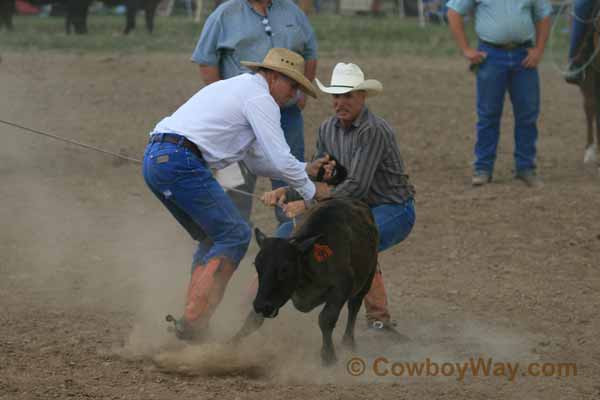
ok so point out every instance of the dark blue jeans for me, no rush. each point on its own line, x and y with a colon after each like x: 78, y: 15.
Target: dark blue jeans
x: 292, y: 124
x: 582, y: 10
x: 394, y: 222
x: 501, y: 72
x: 185, y: 185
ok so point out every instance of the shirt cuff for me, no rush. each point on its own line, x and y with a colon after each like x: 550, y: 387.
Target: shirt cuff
x: 308, y: 190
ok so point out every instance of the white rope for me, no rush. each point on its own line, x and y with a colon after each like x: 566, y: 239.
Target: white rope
x: 552, y: 32
x: 100, y: 150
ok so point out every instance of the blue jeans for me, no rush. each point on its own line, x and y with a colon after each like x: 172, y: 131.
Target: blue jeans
x: 394, y: 222
x: 185, y: 185
x: 292, y: 124
x: 582, y: 10
x: 501, y: 72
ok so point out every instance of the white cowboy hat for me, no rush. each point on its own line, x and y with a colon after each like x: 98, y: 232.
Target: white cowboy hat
x: 287, y: 63
x: 349, y: 78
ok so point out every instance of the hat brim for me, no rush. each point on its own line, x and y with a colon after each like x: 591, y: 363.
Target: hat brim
x: 371, y: 86
x: 304, y: 83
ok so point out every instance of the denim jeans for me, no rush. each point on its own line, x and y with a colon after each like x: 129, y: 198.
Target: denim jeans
x: 582, y: 10
x: 185, y: 185
x: 394, y: 222
x: 292, y: 124
x: 501, y: 72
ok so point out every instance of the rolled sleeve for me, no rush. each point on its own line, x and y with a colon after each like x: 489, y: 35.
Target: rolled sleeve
x: 541, y: 10
x: 206, y: 51
x: 461, y: 6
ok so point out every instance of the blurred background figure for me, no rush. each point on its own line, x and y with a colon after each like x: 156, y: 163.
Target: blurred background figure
x: 149, y: 7
x: 7, y: 8
x: 77, y: 12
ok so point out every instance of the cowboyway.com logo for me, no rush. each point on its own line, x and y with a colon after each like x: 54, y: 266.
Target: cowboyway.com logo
x: 475, y: 367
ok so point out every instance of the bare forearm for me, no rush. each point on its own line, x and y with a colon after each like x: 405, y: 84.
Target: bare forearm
x: 457, y: 27
x: 542, y: 31
x: 209, y: 73
x: 310, y: 69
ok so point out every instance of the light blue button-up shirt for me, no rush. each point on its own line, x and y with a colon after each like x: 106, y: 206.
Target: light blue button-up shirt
x: 235, y: 32
x: 504, y: 21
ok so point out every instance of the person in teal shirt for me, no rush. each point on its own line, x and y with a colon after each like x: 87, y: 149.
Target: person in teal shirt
x: 512, y: 37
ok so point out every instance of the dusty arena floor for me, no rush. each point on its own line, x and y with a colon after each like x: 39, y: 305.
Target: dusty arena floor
x: 91, y: 262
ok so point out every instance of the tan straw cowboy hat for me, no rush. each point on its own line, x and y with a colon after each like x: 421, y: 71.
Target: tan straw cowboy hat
x: 287, y: 63
x: 349, y: 78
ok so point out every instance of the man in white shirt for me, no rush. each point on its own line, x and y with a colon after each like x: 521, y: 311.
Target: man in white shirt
x: 236, y: 119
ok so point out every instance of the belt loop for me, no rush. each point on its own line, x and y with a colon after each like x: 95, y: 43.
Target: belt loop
x: 181, y: 141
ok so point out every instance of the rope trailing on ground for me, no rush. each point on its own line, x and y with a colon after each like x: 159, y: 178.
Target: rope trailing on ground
x: 100, y: 150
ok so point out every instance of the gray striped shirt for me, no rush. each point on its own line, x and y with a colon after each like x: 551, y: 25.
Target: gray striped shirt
x: 368, y: 149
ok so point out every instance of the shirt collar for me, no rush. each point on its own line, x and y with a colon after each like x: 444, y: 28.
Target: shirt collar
x: 260, y: 80
x: 247, y: 3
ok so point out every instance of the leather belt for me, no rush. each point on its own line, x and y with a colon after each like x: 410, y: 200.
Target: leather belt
x: 175, y: 139
x: 510, y: 45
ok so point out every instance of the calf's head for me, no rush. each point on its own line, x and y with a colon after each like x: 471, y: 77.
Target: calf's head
x: 279, y: 267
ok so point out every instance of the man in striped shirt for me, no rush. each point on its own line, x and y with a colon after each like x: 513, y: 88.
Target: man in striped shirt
x: 366, y: 145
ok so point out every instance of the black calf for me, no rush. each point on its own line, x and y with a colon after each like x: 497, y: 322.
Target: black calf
x: 331, y: 258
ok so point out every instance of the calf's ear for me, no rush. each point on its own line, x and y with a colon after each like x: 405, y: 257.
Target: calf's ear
x: 260, y: 237
x: 303, y: 245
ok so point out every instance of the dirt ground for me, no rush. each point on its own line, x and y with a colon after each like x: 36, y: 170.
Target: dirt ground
x: 91, y: 262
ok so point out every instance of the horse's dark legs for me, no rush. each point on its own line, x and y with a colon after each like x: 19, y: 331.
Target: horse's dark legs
x: 591, y: 152
x: 132, y: 8
x: 590, y: 107
x: 150, y: 10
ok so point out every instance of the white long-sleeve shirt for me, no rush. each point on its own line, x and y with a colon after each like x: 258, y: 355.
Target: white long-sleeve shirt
x: 237, y: 119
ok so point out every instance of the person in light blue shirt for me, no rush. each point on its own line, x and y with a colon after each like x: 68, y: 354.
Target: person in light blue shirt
x: 512, y: 37
x: 247, y: 30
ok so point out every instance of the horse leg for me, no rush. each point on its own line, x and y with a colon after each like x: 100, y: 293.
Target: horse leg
x: 590, y: 104
x: 150, y: 10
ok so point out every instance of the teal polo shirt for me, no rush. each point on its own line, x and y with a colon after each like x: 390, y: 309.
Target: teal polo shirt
x: 504, y: 21
x: 235, y: 32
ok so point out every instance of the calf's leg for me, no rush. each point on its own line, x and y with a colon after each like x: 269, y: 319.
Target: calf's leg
x: 354, y: 304
x: 327, y: 320
x: 252, y: 323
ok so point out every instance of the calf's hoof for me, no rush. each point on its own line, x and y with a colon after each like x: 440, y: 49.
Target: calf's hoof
x: 349, y: 343
x: 328, y: 358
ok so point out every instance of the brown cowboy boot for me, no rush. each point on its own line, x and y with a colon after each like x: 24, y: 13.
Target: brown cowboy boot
x: 378, y: 315
x: 205, y: 292
x: 376, y: 300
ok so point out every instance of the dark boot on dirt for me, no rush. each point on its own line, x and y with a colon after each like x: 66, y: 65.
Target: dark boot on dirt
x: 187, y: 331
x: 387, y: 330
